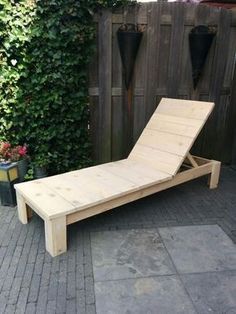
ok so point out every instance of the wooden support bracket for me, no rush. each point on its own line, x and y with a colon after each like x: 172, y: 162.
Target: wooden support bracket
x: 192, y: 160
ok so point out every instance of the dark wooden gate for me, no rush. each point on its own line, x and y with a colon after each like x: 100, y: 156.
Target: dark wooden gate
x: 163, y: 69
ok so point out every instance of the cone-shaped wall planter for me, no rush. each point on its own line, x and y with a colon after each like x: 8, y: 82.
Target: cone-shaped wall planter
x: 200, y: 40
x: 129, y: 38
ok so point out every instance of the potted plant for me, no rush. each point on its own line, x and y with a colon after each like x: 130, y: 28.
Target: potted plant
x: 17, y: 154
x: 39, y: 166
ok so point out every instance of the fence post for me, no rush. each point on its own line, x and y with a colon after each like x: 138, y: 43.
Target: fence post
x: 105, y: 85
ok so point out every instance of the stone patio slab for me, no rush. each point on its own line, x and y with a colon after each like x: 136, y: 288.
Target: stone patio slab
x: 199, y: 248
x: 212, y: 292
x: 163, y: 295
x: 129, y: 254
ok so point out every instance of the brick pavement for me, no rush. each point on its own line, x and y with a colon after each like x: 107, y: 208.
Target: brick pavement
x: 33, y: 282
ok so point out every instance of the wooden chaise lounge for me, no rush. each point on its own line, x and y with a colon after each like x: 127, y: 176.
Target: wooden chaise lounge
x: 159, y: 160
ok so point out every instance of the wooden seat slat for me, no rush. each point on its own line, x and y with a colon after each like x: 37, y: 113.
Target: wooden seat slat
x: 102, y: 183
x: 44, y: 199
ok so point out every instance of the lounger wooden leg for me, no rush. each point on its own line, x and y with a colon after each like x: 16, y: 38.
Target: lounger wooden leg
x: 22, y: 209
x: 55, y: 236
x: 215, y: 174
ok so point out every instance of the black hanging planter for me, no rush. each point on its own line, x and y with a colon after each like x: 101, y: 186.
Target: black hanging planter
x: 200, y: 40
x: 129, y: 38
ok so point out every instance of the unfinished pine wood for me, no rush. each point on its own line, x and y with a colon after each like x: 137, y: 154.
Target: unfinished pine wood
x: 157, y: 123
x: 72, y: 196
x: 92, y: 186
x: 44, y: 200
x: 192, y: 160
x: 166, y: 142
x: 156, y: 158
x: 215, y: 175
x: 55, y: 235
x: 22, y: 210
x: 171, y: 130
x: 185, y: 108
x: 55, y: 227
x: 135, y: 172
x: 185, y: 176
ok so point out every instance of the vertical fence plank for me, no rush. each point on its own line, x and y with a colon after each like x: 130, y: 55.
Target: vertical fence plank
x: 105, y: 77
x: 232, y: 122
x: 139, y: 77
x: 153, y: 40
x: 117, y: 112
x: 177, y: 34
x: 216, y: 125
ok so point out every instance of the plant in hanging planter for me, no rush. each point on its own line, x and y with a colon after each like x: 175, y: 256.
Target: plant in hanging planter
x: 129, y: 38
x: 200, y: 40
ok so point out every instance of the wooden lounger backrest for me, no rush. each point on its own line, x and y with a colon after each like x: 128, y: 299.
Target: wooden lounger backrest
x: 170, y: 133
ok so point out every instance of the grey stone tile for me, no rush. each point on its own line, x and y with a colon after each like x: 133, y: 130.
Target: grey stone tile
x: 30, y: 308
x: 128, y: 254
x: 212, y: 292
x: 199, y: 248
x: 80, y: 301
x: 162, y: 295
x: 22, y: 301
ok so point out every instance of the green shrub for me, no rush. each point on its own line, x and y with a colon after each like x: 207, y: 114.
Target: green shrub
x: 45, y: 50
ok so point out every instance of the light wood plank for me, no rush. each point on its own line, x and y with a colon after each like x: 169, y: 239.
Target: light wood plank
x: 178, y: 120
x: 156, y: 159
x: 178, y: 179
x: 192, y: 160
x: 156, y: 123
x: 46, y: 201
x: 55, y: 235
x: 21, y: 208
x: 172, y: 129
x: 215, y: 175
x: 135, y: 171
x: 171, y: 143
x: 185, y: 108
x: 89, y: 186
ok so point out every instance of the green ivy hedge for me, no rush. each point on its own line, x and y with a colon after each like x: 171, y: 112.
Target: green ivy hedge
x: 45, y: 50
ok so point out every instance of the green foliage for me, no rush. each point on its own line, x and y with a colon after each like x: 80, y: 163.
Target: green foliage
x: 45, y: 50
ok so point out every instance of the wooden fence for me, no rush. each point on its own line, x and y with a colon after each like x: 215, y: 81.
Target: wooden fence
x: 162, y: 69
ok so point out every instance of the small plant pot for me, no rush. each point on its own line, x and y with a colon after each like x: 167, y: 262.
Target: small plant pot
x: 40, y: 172
x: 22, y: 169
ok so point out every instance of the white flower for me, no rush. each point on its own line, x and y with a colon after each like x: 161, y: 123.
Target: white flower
x: 13, y: 62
